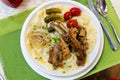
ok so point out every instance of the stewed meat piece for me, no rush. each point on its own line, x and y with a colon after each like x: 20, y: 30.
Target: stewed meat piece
x: 78, y: 47
x: 65, y: 49
x: 82, y: 32
x: 58, y: 53
x: 55, y: 56
x: 73, y: 40
x: 81, y: 58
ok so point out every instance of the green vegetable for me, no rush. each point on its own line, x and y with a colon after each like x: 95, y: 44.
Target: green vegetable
x: 73, y: 57
x: 64, y: 72
x: 69, y: 66
x: 53, y: 17
x: 49, y: 44
x: 34, y: 27
x: 53, y: 10
x: 47, y: 52
x: 55, y: 39
x: 64, y: 63
x: 46, y: 33
x: 45, y: 27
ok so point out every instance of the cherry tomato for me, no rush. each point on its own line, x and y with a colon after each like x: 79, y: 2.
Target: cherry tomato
x: 75, y: 11
x: 67, y: 15
x: 72, y: 23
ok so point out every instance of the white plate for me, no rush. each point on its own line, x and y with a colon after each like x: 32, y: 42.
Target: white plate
x: 93, y: 57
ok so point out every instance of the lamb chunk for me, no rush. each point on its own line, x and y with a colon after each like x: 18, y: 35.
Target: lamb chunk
x: 73, y: 32
x: 66, y: 37
x: 78, y: 47
x: 65, y: 49
x: 51, y: 53
x: 82, y: 32
x: 55, y: 56
x: 81, y: 58
x: 73, y: 40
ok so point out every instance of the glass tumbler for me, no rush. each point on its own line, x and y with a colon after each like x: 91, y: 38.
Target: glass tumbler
x: 12, y: 3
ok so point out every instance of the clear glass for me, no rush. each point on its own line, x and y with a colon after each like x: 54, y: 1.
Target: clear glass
x: 12, y: 3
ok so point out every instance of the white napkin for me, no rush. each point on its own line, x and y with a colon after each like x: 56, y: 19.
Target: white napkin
x: 116, y: 6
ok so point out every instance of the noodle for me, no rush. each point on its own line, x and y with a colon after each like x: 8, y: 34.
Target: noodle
x: 39, y: 38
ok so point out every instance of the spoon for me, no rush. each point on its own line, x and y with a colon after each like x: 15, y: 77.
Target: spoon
x: 103, y: 9
x: 1, y: 78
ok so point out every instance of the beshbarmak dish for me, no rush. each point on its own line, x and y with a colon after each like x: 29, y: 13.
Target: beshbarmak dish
x: 47, y: 46
x: 60, y: 39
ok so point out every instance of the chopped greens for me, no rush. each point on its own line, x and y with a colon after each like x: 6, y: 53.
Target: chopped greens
x: 64, y: 63
x: 46, y: 33
x: 69, y: 66
x: 55, y: 39
x: 64, y: 72
x: 45, y: 27
x: 34, y: 27
x: 49, y: 44
x: 73, y: 57
x: 47, y: 52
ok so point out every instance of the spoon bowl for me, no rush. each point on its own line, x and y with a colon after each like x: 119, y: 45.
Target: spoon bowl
x: 1, y: 77
x: 103, y: 10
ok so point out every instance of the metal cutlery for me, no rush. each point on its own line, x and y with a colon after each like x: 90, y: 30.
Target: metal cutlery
x: 92, y: 7
x: 1, y: 78
x: 102, y: 9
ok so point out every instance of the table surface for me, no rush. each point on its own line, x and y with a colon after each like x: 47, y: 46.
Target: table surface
x: 6, y: 11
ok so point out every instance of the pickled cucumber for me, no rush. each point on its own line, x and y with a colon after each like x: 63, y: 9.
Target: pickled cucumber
x: 53, y: 10
x: 53, y: 17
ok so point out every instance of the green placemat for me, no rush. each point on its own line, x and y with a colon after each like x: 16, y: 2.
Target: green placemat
x: 14, y: 64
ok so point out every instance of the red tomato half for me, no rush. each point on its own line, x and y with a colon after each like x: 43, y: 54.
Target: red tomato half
x: 72, y: 23
x: 75, y: 11
x: 67, y: 15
